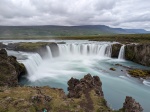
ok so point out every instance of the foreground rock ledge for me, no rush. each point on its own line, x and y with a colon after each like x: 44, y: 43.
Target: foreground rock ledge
x: 85, y: 95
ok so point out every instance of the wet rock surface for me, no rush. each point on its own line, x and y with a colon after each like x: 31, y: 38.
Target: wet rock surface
x: 112, y: 69
x: 115, y: 50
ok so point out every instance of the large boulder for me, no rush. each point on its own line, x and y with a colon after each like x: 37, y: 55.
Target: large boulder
x: 10, y: 69
x: 78, y: 87
x: 130, y: 105
x: 115, y: 50
x: 139, y: 53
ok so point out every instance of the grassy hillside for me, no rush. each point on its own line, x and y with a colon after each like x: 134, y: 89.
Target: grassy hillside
x: 56, y: 31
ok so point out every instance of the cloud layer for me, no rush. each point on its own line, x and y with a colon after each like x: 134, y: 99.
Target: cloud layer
x: 115, y: 13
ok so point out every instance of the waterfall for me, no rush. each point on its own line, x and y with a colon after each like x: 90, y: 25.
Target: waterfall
x: 32, y: 63
x: 103, y: 50
x: 49, y: 53
x: 121, y: 53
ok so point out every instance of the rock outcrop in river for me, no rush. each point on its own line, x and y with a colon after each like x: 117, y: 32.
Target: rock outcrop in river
x: 115, y: 50
x: 84, y: 86
x: 130, y: 105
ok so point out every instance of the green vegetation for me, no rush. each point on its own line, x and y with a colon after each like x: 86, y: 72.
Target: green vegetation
x: 112, y: 69
x: 20, y: 99
x: 87, y: 32
x: 52, y: 31
x: 139, y: 73
x: 31, y: 46
x: 123, y: 38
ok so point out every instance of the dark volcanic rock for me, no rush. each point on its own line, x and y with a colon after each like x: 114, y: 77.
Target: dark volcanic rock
x: 2, y: 45
x: 115, y: 50
x: 10, y: 69
x: 130, y: 105
x: 113, y: 69
x: 138, y: 53
x: 78, y: 87
x: 3, y: 54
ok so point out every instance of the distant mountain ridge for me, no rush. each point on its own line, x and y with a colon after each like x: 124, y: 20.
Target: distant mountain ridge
x: 54, y: 30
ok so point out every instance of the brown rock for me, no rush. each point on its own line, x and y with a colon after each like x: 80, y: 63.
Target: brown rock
x: 10, y: 69
x: 113, y: 69
x: 130, y: 105
x: 138, y: 53
x: 78, y: 87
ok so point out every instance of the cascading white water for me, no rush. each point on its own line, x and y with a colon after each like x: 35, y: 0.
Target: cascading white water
x: 49, y: 53
x: 76, y: 60
x: 121, y: 53
x: 32, y: 63
x: 103, y: 50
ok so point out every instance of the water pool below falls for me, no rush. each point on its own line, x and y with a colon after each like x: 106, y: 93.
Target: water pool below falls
x: 78, y: 59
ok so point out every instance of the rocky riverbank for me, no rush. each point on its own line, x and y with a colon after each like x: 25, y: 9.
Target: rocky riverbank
x: 10, y: 69
x: 85, y: 95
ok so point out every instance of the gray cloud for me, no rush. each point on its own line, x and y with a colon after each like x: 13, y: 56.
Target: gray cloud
x: 115, y: 13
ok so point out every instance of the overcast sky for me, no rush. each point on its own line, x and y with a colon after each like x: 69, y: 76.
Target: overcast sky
x: 114, y: 13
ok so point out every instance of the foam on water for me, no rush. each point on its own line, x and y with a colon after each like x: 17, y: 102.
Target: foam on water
x: 146, y: 83
x: 78, y: 59
x: 32, y: 63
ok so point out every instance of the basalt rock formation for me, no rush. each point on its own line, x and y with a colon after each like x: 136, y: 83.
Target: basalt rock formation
x: 115, y: 50
x: 90, y: 89
x: 130, y: 105
x: 10, y: 69
x: 138, y: 53
x: 83, y: 86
